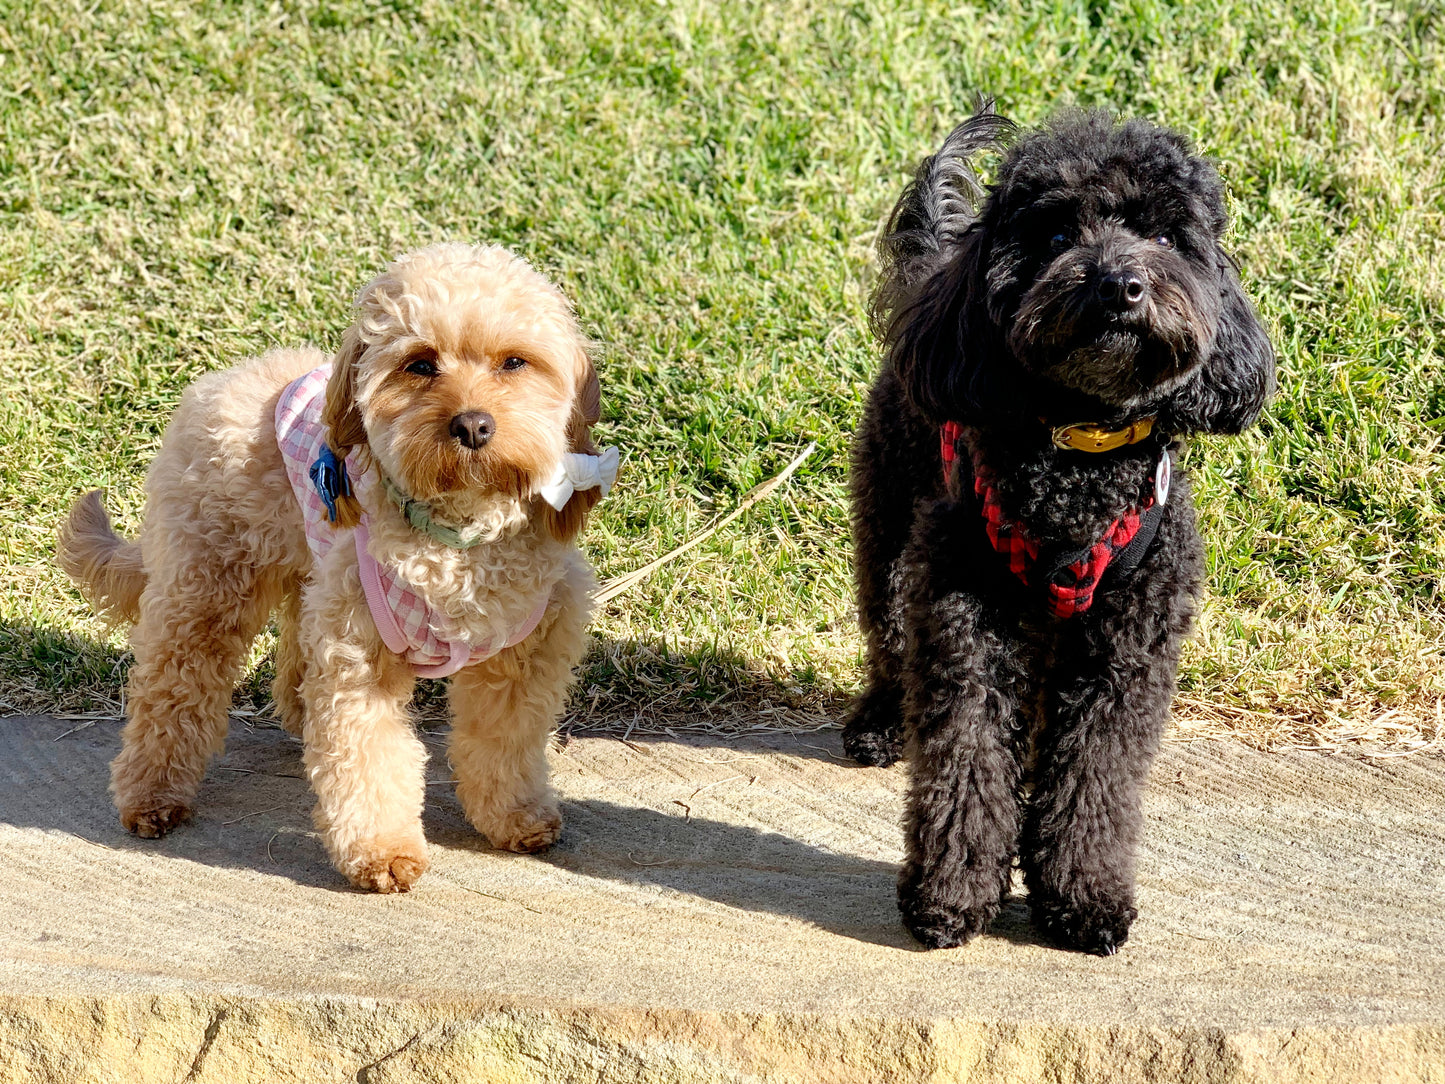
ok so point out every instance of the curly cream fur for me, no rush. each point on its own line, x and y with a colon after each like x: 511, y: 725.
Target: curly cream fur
x: 223, y: 545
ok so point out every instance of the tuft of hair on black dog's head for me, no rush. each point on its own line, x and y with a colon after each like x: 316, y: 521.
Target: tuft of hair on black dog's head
x: 1087, y: 281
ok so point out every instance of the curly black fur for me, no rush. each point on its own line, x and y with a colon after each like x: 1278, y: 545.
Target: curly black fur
x: 1002, y: 309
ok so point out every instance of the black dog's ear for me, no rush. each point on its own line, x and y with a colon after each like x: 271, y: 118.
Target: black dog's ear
x: 930, y: 307
x: 1230, y: 389
x: 939, y: 336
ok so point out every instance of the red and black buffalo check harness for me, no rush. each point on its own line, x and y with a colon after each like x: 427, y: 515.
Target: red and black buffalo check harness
x: 1068, y: 578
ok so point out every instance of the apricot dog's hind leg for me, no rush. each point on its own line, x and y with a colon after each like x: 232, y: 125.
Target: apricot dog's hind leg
x: 189, y: 644
x: 286, y: 686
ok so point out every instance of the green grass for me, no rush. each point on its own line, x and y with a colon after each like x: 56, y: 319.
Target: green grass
x: 185, y: 184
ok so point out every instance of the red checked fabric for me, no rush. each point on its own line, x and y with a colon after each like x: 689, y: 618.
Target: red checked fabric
x: 1070, y: 590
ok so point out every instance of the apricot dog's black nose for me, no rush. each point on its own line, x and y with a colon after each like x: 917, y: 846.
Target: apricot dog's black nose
x: 474, y: 428
x: 1121, y: 289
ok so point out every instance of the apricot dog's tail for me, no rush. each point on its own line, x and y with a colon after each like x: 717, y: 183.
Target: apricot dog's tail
x: 105, y: 567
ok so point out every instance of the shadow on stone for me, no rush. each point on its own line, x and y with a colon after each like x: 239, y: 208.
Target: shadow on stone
x: 749, y: 869
x: 253, y: 812
x: 733, y: 865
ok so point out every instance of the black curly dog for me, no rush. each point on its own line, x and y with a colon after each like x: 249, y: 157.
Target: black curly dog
x: 1024, y: 596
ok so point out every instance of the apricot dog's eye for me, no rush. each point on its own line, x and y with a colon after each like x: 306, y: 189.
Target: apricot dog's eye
x: 423, y: 367
x: 513, y: 363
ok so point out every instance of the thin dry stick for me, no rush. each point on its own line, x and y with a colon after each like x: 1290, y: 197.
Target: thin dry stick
x: 503, y: 899
x: 614, y: 587
x: 719, y: 783
x: 635, y: 862
x: 243, y: 816
x: 74, y: 730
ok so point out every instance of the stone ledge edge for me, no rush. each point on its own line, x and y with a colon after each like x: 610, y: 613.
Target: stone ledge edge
x: 214, y: 1039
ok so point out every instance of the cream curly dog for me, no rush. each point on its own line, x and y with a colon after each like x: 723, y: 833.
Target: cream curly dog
x: 460, y: 404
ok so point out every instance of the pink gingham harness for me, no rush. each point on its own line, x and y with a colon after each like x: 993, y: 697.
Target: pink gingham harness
x: 408, y: 626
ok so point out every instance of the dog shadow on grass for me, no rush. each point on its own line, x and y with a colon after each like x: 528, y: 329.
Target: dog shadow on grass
x: 253, y: 812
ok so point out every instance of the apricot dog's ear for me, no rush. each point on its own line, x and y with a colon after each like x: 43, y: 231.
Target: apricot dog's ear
x: 586, y: 407
x: 586, y: 411
x: 342, y: 417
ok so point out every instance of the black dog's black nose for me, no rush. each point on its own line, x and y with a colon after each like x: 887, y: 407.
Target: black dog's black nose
x: 474, y: 428
x: 1121, y: 289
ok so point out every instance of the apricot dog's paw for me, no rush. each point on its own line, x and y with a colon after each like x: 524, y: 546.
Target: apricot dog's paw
x: 387, y: 868
x: 527, y: 830
x: 154, y: 821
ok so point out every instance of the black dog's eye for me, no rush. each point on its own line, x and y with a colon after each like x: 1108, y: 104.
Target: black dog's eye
x: 423, y: 366
x: 1164, y: 241
x: 512, y: 364
x: 1060, y: 242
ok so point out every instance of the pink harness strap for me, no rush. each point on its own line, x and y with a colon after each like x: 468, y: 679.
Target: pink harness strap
x: 407, y: 625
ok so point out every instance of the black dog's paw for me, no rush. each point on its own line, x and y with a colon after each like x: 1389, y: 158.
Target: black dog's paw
x: 940, y: 929
x: 873, y: 734
x: 871, y: 748
x: 936, y: 924
x: 1098, y: 928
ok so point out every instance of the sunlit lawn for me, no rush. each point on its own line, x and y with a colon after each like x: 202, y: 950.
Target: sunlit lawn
x: 185, y: 184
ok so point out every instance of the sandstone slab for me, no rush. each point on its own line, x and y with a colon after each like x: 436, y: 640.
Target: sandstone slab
x: 715, y: 911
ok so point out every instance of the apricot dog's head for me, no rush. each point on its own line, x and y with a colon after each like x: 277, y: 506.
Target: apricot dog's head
x: 465, y: 372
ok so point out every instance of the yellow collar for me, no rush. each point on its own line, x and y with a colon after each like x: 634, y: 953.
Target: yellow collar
x: 1083, y: 437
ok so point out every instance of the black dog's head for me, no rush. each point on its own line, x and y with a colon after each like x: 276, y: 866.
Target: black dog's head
x: 1090, y: 282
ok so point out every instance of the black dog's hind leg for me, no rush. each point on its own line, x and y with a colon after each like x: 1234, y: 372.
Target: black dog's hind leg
x: 968, y: 692
x: 892, y: 454
x: 1106, y: 708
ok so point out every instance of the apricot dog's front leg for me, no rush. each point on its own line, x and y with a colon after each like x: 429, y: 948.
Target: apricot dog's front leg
x: 503, y: 711
x: 362, y: 756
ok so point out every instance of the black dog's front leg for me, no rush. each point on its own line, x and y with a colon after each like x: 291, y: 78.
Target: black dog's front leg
x: 895, y: 462
x: 1104, y: 714
x: 964, y: 683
